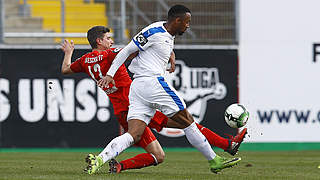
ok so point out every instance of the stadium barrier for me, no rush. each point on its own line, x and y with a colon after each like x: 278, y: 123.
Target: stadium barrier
x: 40, y: 107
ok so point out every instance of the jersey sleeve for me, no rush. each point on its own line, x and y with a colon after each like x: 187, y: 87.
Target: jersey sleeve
x: 76, y: 66
x: 146, y: 37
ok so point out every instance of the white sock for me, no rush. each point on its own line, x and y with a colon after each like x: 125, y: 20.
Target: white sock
x: 197, y: 140
x: 116, y: 146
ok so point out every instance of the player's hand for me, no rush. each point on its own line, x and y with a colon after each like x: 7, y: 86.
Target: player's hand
x: 67, y: 47
x: 105, y: 81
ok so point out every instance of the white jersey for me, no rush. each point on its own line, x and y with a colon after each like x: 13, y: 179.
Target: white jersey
x: 155, y: 45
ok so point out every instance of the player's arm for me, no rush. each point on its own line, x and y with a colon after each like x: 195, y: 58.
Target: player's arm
x: 116, y: 63
x: 133, y: 55
x: 121, y: 58
x: 67, y: 48
x: 172, y: 63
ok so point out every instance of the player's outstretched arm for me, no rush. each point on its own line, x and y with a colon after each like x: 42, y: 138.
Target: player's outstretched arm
x: 67, y: 47
x: 133, y: 55
x: 121, y: 58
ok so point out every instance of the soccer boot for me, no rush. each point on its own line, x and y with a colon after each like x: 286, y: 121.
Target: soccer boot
x: 219, y: 163
x: 235, y: 142
x: 114, y: 166
x: 94, y: 163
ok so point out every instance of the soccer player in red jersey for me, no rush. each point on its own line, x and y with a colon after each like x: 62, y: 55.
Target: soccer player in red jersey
x: 96, y: 64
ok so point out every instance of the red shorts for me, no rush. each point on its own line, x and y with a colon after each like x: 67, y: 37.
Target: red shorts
x: 157, y: 122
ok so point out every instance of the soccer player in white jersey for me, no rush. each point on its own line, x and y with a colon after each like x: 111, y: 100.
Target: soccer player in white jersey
x: 150, y: 92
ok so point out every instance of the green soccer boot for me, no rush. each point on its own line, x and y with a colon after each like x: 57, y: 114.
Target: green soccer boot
x: 219, y: 163
x: 94, y: 163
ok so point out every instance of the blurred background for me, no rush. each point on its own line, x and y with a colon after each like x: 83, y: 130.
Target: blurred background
x: 262, y: 54
x: 213, y: 22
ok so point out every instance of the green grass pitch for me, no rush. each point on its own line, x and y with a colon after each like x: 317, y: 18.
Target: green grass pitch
x: 188, y: 165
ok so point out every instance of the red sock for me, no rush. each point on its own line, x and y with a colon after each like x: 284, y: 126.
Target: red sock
x: 213, y: 138
x: 139, y: 161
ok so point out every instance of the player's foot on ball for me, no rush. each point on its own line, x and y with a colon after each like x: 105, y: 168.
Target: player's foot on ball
x: 114, y: 166
x: 219, y: 163
x: 235, y: 142
x: 94, y: 163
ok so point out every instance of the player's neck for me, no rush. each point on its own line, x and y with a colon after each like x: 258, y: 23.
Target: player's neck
x: 98, y: 49
x: 170, y: 28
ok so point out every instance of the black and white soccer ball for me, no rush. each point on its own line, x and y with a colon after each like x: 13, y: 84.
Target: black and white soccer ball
x: 236, y: 115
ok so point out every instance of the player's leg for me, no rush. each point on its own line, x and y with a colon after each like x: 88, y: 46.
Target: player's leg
x: 196, y: 138
x: 136, y: 128
x: 155, y: 153
x: 173, y: 106
x: 213, y: 138
x: 116, y: 146
x: 184, y: 120
x: 139, y: 115
x: 229, y: 145
x: 148, y: 141
x: 155, y: 149
x: 154, y: 156
x: 159, y: 120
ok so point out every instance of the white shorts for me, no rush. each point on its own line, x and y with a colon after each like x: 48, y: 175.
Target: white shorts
x: 148, y: 94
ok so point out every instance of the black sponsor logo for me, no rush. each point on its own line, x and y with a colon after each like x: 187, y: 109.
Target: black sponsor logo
x: 141, y: 39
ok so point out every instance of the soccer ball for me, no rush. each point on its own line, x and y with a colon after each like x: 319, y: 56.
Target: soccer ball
x: 236, y: 115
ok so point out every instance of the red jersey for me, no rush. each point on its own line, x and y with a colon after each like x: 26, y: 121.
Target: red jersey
x: 96, y: 64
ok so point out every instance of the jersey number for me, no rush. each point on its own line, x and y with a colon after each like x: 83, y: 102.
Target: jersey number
x: 96, y: 68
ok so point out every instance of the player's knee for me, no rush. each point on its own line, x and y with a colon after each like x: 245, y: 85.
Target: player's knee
x: 136, y: 129
x: 160, y: 157
x: 136, y: 137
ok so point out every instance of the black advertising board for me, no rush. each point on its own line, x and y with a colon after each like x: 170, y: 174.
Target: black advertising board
x: 40, y: 107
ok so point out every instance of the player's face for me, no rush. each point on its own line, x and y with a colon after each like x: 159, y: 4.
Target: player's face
x: 184, y: 23
x: 107, y: 41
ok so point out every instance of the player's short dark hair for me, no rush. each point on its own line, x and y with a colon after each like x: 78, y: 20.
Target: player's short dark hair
x: 94, y: 33
x: 177, y: 11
